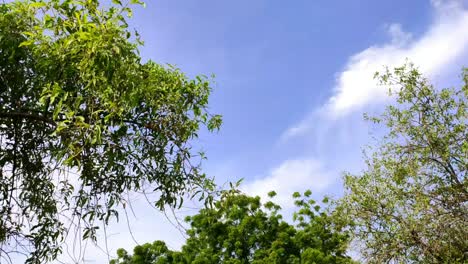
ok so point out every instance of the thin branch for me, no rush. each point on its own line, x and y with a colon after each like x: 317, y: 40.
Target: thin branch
x: 27, y: 116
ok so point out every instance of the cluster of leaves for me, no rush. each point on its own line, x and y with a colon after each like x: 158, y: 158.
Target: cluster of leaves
x: 83, y: 120
x: 240, y: 229
x: 410, y: 204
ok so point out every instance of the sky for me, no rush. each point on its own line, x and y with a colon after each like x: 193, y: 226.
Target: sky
x: 293, y: 79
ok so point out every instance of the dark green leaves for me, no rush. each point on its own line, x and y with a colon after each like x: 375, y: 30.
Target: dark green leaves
x: 240, y: 229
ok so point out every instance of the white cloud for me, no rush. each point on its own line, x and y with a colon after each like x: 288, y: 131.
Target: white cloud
x: 444, y: 42
x: 397, y: 35
x: 291, y: 176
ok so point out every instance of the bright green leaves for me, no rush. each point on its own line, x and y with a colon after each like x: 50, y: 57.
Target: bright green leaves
x: 410, y: 204
x: 77, y: 98
x: 240, y: 229
x: 214, y: 122
x: 138, y: 2
x: 26, y: 43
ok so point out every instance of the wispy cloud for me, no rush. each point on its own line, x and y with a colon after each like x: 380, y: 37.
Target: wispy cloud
x: 291, y: 176
x: 445, y: 41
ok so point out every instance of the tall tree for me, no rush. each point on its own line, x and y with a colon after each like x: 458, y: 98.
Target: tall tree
x: 239, y: 229
x: 83, y: 120
x: 410, y: 204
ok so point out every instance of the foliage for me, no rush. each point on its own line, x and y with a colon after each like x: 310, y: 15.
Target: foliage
x: 410, y: 204
x: 240, y: 229
x: 83, y: 120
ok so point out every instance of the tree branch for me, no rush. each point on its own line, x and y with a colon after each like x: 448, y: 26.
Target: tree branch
x: 38, y: 117
x: 27, y: 116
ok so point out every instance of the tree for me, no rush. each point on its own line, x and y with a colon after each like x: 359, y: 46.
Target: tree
x: 410, y: 204
x: 83, y: 121
x: 240, y: 229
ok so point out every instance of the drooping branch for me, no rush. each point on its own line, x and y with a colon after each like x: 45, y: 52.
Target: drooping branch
x: 26, y: 115
x: 45, y: 119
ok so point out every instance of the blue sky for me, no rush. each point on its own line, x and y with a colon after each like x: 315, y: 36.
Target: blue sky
x: 292, y: 82
x: 273, y: 61
x: 277, y: 64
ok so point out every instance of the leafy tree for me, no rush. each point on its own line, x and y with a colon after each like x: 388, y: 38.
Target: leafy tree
x: 83, y: 120
x: 410, y: 204
x: 240, y: 229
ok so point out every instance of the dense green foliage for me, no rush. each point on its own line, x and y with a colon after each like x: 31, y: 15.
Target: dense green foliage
x: 240, y: 229
x: 83, y: 120
x: 410, y: 204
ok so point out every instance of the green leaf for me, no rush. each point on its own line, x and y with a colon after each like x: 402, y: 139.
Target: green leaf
x: 26, y: 43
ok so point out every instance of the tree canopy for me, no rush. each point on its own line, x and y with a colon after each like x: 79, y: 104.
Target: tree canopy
x: 84, y: 120
x: 410, y: 204
x: 241, y: 229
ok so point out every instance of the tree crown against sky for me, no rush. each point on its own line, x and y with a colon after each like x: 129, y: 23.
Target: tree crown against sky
x: 410, y: 204
x: 83, y: 121
x: 241, y: 229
